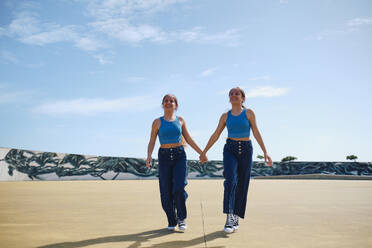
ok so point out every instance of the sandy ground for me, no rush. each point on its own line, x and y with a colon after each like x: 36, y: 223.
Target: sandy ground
x: 280, y: 213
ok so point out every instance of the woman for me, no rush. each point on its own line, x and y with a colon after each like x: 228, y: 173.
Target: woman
x: 237, y: 156
x: 172, y: 161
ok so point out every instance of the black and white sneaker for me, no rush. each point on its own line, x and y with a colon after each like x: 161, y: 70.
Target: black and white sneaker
x: 236, y: 222
x: 229, y: 226
x: 182, y: 225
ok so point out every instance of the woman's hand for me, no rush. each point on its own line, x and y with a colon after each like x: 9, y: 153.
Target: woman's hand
x: 203, y: 158
x: 148, y: 162
x: 268, y: 159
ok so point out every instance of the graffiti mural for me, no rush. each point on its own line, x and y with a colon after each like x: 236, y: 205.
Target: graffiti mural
x: 55, y: 166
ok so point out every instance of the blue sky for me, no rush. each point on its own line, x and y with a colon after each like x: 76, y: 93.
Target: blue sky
x: 79, y: 76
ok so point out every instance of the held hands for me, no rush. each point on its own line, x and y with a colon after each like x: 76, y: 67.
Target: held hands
x: 203, y: 158
x: 268, y: 159
x: 148, y: 162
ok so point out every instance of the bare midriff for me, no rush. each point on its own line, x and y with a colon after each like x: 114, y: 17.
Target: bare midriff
x: 240, y: 139
x: 173, y: 145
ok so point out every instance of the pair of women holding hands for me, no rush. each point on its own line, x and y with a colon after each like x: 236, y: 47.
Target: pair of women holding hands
x: 237, y: 159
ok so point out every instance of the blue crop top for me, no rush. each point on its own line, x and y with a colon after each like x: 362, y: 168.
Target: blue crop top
x: 238, y: 126
x: 170, y: 131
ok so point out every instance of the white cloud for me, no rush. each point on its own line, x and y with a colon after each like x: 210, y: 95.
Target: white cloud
x: 85, y: 106
x: 2, y: 31
x: 36, y: 65
x: 208, y: 72
x: 57, y: 34
x: 28, y: 5
x: 102, y: 59
x: 356, y: 22
x: 116, y: 19
x: 121, y: 29
x: 96, y: 72
x: 350, y: 27
x: 8, y: 57
x: 88, y: 44
x: 27, y: 28
x: 229, y: 37
x: 10, y: 97
x: 331, y: 33
x: 283, y: 1
x: 266, y: 91
x: 127, y: 8
x: 191, y: 35
x: 25, y: 24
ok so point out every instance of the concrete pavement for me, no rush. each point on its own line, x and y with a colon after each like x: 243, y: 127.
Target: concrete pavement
x: 280, y: 213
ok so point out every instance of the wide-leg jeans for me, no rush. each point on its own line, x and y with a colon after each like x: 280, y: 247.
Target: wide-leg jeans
x: 172, y: 170
x: 237, y: 161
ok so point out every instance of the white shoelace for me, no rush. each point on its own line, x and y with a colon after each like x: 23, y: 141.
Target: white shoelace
x: 230, y: 220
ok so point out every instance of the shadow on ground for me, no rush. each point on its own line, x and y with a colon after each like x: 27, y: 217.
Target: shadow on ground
x: 138, y: 238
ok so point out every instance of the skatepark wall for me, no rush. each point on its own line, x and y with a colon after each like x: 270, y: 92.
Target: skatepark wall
x: 23, y: 165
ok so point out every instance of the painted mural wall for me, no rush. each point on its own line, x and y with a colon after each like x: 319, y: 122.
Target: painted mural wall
x: 19, y: 165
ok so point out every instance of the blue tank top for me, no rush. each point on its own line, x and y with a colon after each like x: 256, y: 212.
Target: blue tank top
x: 170, y: 131
x: 238, y: 126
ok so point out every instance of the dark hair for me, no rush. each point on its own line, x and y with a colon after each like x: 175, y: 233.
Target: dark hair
x: 241, y: 92
x: 174, y: 98
x: 183, y: 141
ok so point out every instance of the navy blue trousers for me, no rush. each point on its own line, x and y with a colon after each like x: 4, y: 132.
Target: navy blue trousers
x: 172, y: 182
x: 237, y: 162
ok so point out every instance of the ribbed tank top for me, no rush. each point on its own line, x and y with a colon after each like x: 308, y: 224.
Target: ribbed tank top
x: 170, y: 131
x: 238, y: 126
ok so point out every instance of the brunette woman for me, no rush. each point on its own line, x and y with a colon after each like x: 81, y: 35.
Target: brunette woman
x: 237, y: 156
x: 172, y: 168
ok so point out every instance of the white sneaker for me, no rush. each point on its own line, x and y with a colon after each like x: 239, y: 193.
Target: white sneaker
x: 236, y: 222
x: 229, y: 226
x: 182, y: 225
x: 171, y: 228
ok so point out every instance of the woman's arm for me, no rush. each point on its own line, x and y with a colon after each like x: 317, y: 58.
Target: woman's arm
x: 252, y: 120
x: 150, y: 147
x: 187, y: 136
x: 216, y: 134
